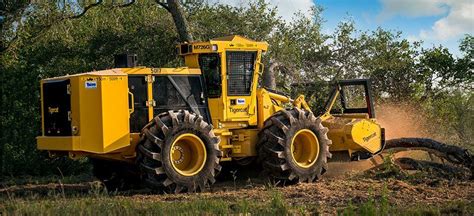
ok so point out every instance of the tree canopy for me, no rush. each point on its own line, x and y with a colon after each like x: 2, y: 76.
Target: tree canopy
x: 45, y: 39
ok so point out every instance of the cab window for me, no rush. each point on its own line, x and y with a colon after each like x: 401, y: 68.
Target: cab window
x: 210, y: 68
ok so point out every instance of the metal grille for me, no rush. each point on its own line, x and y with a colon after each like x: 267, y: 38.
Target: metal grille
x: 240, y: 67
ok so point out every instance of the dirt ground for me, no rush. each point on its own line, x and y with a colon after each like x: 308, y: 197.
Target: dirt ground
x: 325, y: 196
x: 330, y: 194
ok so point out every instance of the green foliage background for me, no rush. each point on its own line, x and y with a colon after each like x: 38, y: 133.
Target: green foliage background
x: 38, y: 42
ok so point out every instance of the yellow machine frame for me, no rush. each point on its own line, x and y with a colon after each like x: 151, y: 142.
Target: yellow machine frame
x: 99, y: 133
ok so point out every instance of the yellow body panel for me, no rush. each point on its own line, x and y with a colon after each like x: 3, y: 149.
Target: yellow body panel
x: 69, y: 143
x: 244, y: 142
x: 216, y: 106
x: 156, y: 71
x: 265, y: 106
x: 100, y: 116
x: 222, y: 44
x: 354, y: 134
x: 367, y: 134
x: 94, y: 111
x: 222, y: 112
x: 149, y: 79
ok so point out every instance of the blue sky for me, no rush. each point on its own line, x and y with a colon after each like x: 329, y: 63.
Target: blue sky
x: 435, y: 22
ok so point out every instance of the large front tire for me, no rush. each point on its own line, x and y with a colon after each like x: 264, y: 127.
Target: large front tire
x: 178, y: 152
x: 294, y: 146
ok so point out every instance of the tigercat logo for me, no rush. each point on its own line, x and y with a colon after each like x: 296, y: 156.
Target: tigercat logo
x: 238, y: 110
x: 202, y: 46
x: 52, y: 110
x: 367, y: 138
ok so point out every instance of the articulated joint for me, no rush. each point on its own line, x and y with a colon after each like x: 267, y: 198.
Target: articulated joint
x: 279, y: 97
x: 300, y: 102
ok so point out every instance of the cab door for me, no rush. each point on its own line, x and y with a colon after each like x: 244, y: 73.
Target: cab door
x: 240, y: 71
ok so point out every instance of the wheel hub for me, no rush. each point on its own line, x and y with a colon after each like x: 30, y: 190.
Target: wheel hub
x: 188, y: 154
x: 305, y: 148
x: 178, y: 154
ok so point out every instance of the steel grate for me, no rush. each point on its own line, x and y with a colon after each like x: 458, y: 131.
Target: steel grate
x: 240, y: 68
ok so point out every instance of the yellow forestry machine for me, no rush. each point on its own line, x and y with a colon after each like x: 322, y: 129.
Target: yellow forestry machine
x: 173, y: 128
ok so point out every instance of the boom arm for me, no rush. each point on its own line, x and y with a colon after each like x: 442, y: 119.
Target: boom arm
x: 299, y: 102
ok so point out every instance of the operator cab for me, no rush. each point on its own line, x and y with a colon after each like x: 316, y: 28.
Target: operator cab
x: 230, y: 67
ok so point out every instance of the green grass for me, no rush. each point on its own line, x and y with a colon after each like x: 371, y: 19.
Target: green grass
x: 97, y: 201
x: 102, y: 203
x: 120, y: 206
x: 23, y: 180
x: 372, y: 208
x: 380, y: 205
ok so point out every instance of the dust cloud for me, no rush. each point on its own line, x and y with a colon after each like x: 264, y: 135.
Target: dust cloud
x: 402, y: 120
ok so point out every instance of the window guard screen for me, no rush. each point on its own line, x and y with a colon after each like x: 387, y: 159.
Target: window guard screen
x: 240, y: 68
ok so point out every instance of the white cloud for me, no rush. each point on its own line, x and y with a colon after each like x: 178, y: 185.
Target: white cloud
x: 286, y: 8
x: 458, y: 16
x: 412, y: 8
x: 459, y: 21
x: 412, y: 38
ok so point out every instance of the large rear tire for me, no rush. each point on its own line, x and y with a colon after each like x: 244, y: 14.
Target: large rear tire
x: 293, y: 145
x: 178, y: 152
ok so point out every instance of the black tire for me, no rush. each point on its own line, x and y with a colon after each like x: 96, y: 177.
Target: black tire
x: 274, y: 147
x: 155, y: 147
x: 116, y: 176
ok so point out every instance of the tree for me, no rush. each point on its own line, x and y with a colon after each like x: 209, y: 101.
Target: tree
x: 296, y: 47
x: 256, y: 21
x: 10, y: 13
x: 464, y: 74
x: 299, y: 52
x: 434, y: 68
x: 390, y: 62
x: 179, y: 18
x: 440, y: 71
x: 72, y: 46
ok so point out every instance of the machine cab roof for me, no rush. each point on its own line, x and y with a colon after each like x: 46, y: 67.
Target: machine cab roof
x: 234, y: 42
